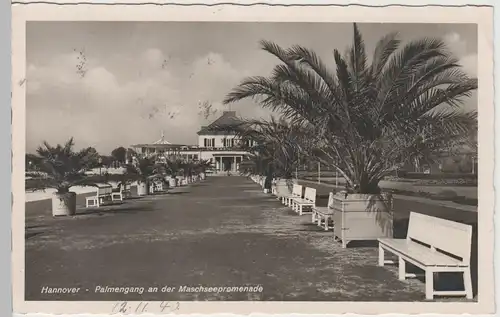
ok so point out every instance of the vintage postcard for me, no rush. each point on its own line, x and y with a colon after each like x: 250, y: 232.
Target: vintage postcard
x: 252, y: 159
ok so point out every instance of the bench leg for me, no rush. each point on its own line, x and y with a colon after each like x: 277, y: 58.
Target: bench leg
x: 402, y: 269
x: 429, y: 284
x: 468, y: 284
x: 381, y: 256
x: 313, y: 217
x: 344, y: 243
x: 326, y: 223
x: 300, y: 210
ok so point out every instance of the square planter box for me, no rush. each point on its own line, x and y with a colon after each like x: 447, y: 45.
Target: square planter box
x: 362, y: 217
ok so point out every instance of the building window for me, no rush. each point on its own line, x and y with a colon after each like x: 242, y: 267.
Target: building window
x: 209, y: 142
x: 143, y: 150
x: 195, y: 156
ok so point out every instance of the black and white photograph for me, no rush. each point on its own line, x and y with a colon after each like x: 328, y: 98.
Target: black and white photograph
x: 239, y: 161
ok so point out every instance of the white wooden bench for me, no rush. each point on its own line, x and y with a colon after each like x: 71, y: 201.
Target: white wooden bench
x: 126, y: 190
x: 158, y: 186
x: 322, y: 215
x: 155, y: 186
x: 309, y: 201
x: 274, y: 189
x: 296, y: 193
x: 103, y: 193
x: 434, y: 245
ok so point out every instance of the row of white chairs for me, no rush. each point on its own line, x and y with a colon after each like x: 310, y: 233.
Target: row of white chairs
x: 303, y: 201
x: 105, y: 193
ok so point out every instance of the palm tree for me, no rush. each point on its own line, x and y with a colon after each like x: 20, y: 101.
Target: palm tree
x: 63, y: 168
x: 370, y: 118
x: 175, y: 168
x: 277, y: 142
x: 202, y: 166
x: 145, y: 170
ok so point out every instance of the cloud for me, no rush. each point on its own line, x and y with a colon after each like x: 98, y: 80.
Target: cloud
x: 105, y: 107
x: 458, y: 46
x: 469, y: 64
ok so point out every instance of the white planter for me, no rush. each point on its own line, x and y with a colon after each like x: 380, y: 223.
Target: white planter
x: 172, y: 182
x: 284, y: 186
x: 362, y: 217
x: 64, y: 204
x: 203, y: 176
x: 142, y: 189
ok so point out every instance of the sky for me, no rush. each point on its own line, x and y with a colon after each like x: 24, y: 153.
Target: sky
x: 110, y: 84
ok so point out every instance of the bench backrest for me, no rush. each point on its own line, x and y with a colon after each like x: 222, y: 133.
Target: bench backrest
x: 297, y: 190
x: 449, y: 236
x: 103, y: 190
x: 124, y: 187
x: 310, y: 194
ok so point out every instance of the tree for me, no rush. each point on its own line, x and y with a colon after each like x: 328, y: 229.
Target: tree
x: 106, y: 160
x: 119, y: 154
x: 277, y: 144
x: 175, y: 166
x: 32, y: 161
x: 145, y: 170
x: 370, y: 118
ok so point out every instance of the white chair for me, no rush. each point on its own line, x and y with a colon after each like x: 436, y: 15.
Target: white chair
x: 309, y: 201
x: 103, y: 193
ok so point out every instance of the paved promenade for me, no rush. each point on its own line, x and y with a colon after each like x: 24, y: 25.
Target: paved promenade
x: 221, y: 232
